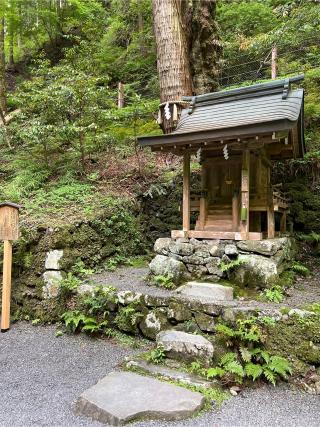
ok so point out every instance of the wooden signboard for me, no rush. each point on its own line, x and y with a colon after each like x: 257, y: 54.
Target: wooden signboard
x: 9, y: 230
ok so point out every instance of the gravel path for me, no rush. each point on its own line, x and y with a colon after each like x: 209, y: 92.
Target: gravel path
x: 42, y: 375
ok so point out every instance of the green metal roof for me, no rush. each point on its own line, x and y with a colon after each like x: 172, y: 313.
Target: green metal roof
x: 250, y: 110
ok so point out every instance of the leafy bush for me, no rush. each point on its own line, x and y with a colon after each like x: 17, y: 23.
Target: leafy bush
x: 156, y: 355
x: 273, y: 294
x: 163, y: 281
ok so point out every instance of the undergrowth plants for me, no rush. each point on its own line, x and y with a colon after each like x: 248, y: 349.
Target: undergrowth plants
x: 163, y: 281
x: 247, y: 360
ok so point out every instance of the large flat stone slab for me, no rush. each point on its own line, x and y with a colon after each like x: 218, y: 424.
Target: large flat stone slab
x: 123, y: 397
x: 187, y: 347
x: 206, y: 291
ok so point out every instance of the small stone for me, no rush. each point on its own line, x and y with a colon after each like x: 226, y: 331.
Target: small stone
x: 231, y: 250
x: 52, y: 281
x: 53, y: 259
x: 233, y: 392
x: 188, y: 347
x: 197, y: 271
x: 205, y: 322
x: 154, y: 322
x: 213, y: 267
x: 123, y: 397
x: 178, y: 312
x: 161, y: 245
x: 181, y: 248
x: 301, y: 313
x: 127, y: 297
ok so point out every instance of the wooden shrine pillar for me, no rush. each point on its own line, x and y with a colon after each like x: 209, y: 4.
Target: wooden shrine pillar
x: 245, y: 195
x: 186, y: 193
x: 203, y: 198
x: 270, y: 210
x: 235, y: 211
x: 283, y: 222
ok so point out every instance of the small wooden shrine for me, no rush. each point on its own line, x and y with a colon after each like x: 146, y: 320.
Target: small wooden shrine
x: 236, y: 134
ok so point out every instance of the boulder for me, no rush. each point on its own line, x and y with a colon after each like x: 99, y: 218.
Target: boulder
x: 154, y: 322
x: 255, y: 271
x: 161, y: 245
x: 53, y: 259
x: 196, y: 258
x: 268, y: 247
x: 52, y: 281
x: 165, y: 266
x: 187, y: 347
x: 123, y: 397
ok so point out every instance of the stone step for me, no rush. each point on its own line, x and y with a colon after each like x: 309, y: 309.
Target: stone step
x: 208, y: 292
x: 187, y: 347
x: 123, y: 397
x: 169, y: 373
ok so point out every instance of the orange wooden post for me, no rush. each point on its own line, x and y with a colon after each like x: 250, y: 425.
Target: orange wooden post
x: 186, y: 193
x: 9, y: 230
x: 245, y: 194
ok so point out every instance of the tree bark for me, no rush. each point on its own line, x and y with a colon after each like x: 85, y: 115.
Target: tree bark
x: 206, y: 47
x: 3, y: 86
x: 172, y: 49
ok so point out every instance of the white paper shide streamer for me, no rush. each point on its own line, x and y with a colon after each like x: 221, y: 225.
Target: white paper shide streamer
x: 167, y: 113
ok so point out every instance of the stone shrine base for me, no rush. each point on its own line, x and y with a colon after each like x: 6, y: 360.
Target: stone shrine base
x: 251, y: 263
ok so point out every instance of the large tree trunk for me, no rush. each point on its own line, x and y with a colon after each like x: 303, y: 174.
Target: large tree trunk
x: 188, y: 50
x: 172, y: 49
x: 206, y: 47
x: 3, y: 86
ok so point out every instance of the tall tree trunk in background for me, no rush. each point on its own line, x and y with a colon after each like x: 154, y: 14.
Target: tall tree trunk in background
x: 206, y: 47
x: 3, y: 86
x: 188, y: 52
x: 172, y: 49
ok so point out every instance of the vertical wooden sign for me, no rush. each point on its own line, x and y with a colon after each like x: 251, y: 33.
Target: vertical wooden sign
x: 9, y: 230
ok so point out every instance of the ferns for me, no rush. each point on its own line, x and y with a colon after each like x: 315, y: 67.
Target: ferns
x: 299, y: 268
x: 252, y: 370
x: 249, y: 359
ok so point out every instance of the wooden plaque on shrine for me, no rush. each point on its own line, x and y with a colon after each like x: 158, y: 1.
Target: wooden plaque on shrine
x: 9, y: 221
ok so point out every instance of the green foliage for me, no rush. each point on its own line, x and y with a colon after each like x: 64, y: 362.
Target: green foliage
x: 128, y: 317
x: 156, y: 355
x: 163, y: 281
x: 229, y: 266
x: 100, y: 300
x: 113, y: 262
x: 273, y: 294
x: 69, y: 284
x: 299, y: 268
x: 80, y: 269
x: 76, y: 321
x: 248, y: 359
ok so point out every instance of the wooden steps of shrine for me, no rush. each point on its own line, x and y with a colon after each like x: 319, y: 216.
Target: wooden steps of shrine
x: 219, y: 218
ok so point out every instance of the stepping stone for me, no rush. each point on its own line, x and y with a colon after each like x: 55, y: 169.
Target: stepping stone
x: 206, y: 291
x: 187, y: 347
x: 123, y: 397
x: 170, y: 373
